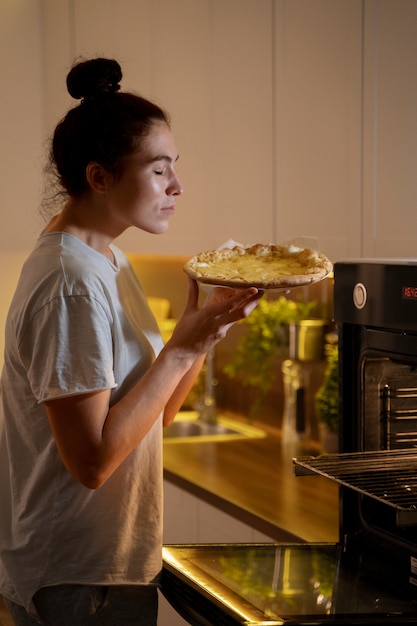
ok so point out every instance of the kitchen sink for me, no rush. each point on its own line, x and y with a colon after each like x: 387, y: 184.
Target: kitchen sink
x: 189, y: 427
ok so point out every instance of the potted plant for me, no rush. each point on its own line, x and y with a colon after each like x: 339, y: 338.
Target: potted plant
x: 264, y: 339
x: 327, y: 400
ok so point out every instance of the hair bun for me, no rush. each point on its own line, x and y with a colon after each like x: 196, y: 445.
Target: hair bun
x: 93, y: 78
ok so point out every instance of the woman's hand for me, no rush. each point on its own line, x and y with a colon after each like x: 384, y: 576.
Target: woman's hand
x: 217, y: 294
x: 200, y: 329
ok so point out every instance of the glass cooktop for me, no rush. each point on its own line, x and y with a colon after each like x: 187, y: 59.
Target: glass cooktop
x: 273, y: 584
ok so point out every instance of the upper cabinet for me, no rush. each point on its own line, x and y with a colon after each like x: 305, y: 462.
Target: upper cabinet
x: 389, y: 224
x: 292, y: 118
x: 317, y: 98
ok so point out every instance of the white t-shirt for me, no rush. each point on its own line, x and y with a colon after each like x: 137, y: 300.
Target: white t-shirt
x: 77, y: 323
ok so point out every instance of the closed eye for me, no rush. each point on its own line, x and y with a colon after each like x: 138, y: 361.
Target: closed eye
x: 164, y: 162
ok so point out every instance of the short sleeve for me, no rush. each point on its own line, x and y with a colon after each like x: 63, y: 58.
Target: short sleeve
x: 67, y: 348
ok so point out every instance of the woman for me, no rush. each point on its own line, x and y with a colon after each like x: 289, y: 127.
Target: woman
x: 87, y: 384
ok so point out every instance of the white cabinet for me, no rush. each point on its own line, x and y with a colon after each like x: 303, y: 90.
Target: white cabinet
x: 181, y: 523
x: 188, y: 519
x: 317, y: 107
x: 390, y: 129
x: 218, y: 527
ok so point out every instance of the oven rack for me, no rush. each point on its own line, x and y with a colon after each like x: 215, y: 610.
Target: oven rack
x: 387, y: 476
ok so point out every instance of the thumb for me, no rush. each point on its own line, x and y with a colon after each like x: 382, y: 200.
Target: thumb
x: 193, y: 293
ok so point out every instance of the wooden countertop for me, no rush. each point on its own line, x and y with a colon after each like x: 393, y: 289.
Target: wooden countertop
x: 254, y: 480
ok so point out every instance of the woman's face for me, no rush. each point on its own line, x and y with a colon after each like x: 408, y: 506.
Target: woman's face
x: 144, y: 196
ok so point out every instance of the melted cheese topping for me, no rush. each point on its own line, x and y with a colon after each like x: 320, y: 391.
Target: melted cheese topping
x: 253, y: 269
x: 258, y: 263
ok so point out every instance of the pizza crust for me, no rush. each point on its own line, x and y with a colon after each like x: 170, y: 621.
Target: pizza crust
x: 266, y: 266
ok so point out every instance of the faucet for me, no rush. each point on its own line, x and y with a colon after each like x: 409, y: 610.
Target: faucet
x: 206, y: 404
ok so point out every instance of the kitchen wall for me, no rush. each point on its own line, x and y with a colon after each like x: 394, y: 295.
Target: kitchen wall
x: 21, y: 139
x: 292, y: 117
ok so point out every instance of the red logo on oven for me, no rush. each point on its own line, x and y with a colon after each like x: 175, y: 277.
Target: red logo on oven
x: 410, y: 293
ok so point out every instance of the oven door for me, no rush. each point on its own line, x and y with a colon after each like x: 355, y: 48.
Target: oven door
x: 274, y: 584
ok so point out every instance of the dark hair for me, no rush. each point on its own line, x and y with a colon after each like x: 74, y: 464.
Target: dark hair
x: 105, y: 127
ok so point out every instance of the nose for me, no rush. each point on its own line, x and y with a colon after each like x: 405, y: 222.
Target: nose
x: 175, y: 188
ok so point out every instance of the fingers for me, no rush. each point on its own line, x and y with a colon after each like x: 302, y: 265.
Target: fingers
x: 248, y: 308
x: 243, y: 308
x: 239, y: 307
x: 201, y: 326
x: 218, y: 294
x: 227, y: 312
x: 236, y: 303
x: 234, y: 297
x: 244, y: 298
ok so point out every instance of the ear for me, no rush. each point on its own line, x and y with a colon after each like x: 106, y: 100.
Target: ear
x: 98, y: 178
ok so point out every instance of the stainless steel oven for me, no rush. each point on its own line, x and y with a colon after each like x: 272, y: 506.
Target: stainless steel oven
x: 370, y: 575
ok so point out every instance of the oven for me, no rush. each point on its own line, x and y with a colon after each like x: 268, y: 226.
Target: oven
x: 370, y: 575
x: 375, y: 307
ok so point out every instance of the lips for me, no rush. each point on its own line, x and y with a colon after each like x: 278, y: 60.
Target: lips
x: 169, y: 210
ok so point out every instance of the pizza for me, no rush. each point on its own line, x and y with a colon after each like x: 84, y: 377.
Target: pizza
x: 266, y: 266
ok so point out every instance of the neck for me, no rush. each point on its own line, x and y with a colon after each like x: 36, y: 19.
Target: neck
x: 72, y: 220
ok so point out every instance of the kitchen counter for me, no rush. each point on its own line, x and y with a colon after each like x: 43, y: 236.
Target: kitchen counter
x: 254, y: 481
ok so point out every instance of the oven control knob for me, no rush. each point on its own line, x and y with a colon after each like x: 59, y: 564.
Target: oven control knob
x: 359, y: 295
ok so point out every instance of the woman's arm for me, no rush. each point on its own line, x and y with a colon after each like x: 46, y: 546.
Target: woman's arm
x: 94, y: 438
x: 181, y: 391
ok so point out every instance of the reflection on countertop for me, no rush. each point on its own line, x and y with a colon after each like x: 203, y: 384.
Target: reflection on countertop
x: 189, y: 426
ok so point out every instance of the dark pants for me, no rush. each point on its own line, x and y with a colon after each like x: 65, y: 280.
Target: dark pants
x: 84, y: 605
